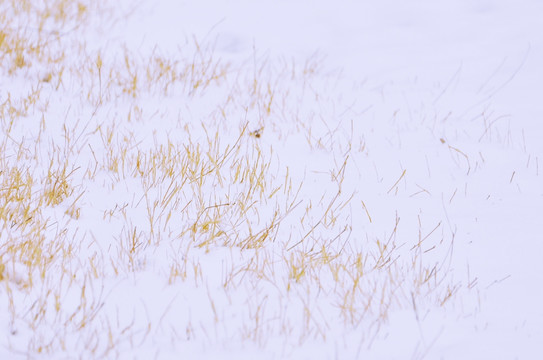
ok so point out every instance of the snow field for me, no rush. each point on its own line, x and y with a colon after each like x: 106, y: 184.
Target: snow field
x: 196, y: 196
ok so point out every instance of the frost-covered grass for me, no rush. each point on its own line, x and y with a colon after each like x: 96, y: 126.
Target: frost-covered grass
x: 168, y: 202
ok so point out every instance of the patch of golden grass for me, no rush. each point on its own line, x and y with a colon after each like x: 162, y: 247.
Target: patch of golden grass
x: 99, y: 183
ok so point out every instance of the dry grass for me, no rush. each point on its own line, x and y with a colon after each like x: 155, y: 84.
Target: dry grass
x: 120, y: 166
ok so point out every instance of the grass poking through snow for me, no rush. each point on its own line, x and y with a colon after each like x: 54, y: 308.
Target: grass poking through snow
x: 154, y: 201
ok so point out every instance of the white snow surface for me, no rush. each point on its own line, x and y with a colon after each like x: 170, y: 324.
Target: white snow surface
x: 431, y: 112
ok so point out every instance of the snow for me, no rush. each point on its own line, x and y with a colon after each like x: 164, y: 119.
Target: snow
x: 389, y: 208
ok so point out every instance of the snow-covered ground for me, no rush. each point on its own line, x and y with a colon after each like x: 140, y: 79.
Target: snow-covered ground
x: 271, y: 179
